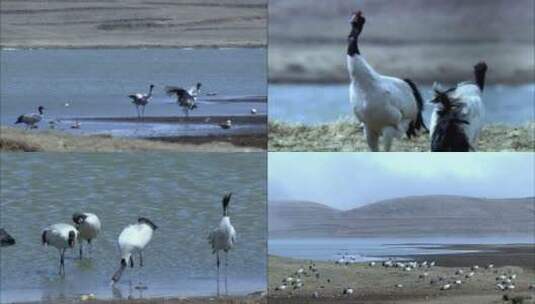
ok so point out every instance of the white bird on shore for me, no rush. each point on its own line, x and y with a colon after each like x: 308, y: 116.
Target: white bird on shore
x: 133, y: 239
x: 88, y: 225
x: 141, y: 100
x: 31, y: 119
x: 253, y: 111
x: 183, y: 99
x: 387, y: 106
x: 445, y: 287
x: 226, y: 125
x: 223, y: 238
x: 347, y: 291
x: 60, y: 236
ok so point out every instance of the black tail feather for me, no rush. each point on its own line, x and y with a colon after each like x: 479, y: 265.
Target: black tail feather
x: 19, y: 119
x: 419, y: 122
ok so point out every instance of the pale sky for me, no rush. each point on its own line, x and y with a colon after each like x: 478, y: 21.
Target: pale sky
x: 349, y: 180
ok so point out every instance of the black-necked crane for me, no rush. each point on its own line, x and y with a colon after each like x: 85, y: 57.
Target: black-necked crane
x: 61, y: 236
x: 459, y: 113
x: 133, y: 239
x: 387, y: 106
x: 88, y: 225
x: 223, y: 238
x: 31, y: 119
x: 141, y: 100
x: 6, y: 239
x: 183, y: 99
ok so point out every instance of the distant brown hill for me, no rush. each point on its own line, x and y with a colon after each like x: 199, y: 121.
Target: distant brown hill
x: 407, y: 216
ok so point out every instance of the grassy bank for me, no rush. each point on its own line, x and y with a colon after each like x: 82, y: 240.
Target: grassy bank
x: 346, y: 135
x: 380, y: 285
x: 13, y: 139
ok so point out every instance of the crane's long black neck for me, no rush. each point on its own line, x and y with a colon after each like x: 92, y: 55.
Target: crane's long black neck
x: 353, y: 41
x: 150, y: 90
x: 225, y: 202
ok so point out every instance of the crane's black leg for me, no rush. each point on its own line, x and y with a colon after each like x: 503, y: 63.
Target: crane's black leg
x: 140, y: 259
x: 218, y: 264
x: 226, y: 273
x: 81, y: 242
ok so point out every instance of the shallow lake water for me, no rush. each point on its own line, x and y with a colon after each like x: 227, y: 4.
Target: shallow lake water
x: 376, y: 249
x: 313, y: 104
x: 180, y: 192
x: 97, y: 82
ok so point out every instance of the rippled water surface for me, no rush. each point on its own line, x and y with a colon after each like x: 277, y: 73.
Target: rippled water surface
x: 366, y: 249
x: 311, y: 104
x: 180, y: 192
x: 97, y: 82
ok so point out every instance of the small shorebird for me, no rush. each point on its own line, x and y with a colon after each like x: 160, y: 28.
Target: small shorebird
x: 60, y: 236
x: 183, y: 98
x: 223, y: 238
x: 133, y: 239
x: 141, y: 100
x: 88, y: 225
x: 253, y: 111
x: 31, y: 119
x: 226, y: 125
x: 6, y: 239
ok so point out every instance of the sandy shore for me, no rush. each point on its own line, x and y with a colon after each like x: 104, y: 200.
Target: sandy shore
x: 14, y: 139
x: 379, y: 285
x: 348, y: 136
x: 132, y: 23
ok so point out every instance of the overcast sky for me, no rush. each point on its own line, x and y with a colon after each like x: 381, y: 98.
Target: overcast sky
x: 348, y: 180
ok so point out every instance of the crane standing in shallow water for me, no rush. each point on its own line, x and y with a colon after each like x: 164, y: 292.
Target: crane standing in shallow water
x: 133, y: 239
x: 141, y: 100
x: 183, y: 99
x: 61, y: 236
x: 223, y: 238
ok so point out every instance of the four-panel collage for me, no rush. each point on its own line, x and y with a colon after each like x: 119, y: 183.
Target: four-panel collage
x: 203, y: 151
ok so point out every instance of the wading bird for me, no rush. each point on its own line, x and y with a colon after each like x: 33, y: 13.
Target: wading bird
x: 31, y: 119
x: 60, y: 236
x: 88, y: 225
x: 458, y: 116
x: 133, y: 239
x: 183, y: 99
x: 223, y: 238
x: 141, y: 100
x: 387, y: 106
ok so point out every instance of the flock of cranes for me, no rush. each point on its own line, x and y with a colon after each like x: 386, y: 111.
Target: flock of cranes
x: 132, y: 240
x: 186, y: 100
x: 389, y: 107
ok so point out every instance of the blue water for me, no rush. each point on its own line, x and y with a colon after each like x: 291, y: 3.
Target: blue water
x: 96, y: 83
x: 180, y: 192
x: 313, y: 104
x: 366, y: 249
